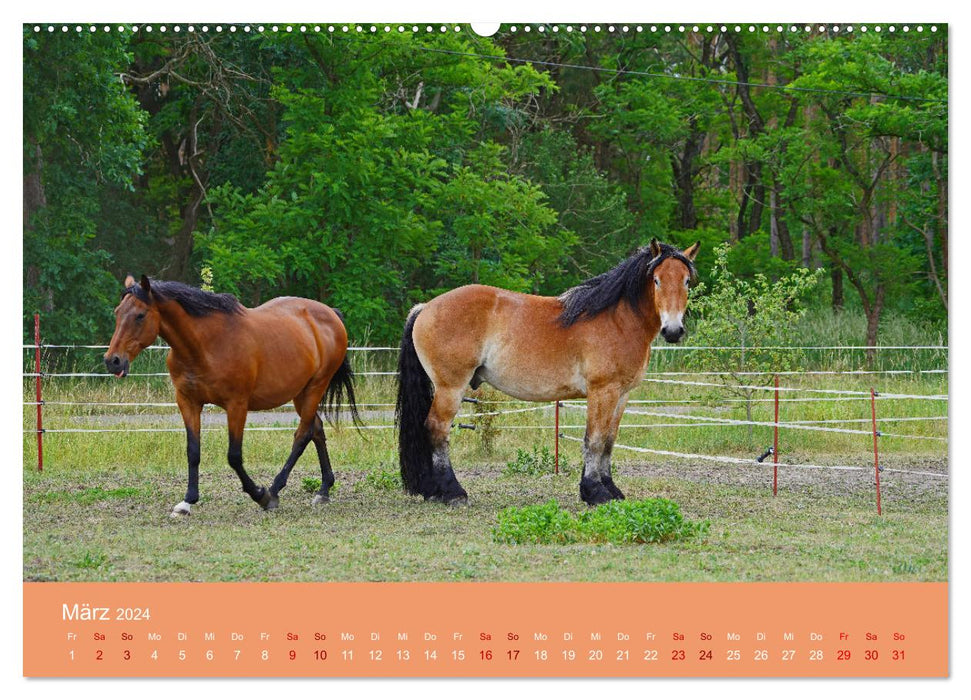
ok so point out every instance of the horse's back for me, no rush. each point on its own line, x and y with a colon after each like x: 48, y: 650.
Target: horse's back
x: 297, y: 322
x: 511, y: 340
x: 294, y: 342
x: 474, y: 313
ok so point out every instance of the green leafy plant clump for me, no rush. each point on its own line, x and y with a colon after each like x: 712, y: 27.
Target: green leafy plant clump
x: 616, y: 522
x: 532, y: 463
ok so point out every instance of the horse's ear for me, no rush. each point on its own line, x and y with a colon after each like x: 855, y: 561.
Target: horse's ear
x: 129, y: 282
x: 146, y: 285
x: 691, y: 251
x: 655, y: 248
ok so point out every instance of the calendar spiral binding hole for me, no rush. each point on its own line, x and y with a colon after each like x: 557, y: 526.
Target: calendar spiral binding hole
x: 837, y: 29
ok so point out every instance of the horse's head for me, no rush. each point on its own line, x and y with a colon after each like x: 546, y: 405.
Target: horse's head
x: 672, y: 275
x: 136, y: 325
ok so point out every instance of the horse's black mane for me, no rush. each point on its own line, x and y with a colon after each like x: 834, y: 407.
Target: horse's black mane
x: 624, y: 282
x: 196, y: 302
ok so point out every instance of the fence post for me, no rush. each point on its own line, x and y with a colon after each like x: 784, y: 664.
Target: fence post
x: 876, y: 454
x: 556, y: 444
x: 40, y: 402
x: 775, y: 442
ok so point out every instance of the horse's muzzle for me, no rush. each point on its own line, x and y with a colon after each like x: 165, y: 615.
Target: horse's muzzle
x: 673, y: 335
x: 117, y: 365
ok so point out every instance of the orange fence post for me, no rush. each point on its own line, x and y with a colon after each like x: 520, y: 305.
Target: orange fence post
x: 775, y: 442
x: 40, y: 419
x: 876, y: 454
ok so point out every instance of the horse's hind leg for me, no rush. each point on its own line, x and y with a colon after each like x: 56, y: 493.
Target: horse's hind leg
x: 301, y: 438
x: 445, y: 487
x: 326, y: 473
x: 306, y: 405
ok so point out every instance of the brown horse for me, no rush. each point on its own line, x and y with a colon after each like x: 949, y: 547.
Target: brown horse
x: 593, y: 341
x: 241, y: 359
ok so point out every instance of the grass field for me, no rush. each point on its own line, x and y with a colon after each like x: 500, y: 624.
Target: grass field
x: 100, y: 509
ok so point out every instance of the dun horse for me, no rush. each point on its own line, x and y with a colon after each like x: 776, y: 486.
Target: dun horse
x: 241, y: 359
x: 592, y: 341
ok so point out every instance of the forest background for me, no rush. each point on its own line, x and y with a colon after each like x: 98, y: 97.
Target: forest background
x: 373, y: 170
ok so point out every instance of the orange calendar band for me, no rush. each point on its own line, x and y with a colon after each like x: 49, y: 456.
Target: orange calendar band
x: 486, y: 629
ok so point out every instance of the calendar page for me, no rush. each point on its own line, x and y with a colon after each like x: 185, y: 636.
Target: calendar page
x: 427, y: 350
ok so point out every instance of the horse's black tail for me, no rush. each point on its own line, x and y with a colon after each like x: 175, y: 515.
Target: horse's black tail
x: 341, y: 386
x: 415, y: 392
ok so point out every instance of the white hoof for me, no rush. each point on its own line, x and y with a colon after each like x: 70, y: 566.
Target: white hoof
x: 181, y: 510
x: 318, y: 499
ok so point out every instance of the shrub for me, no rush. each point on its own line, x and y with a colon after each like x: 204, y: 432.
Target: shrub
x: 540, y: 524
x: 650, y: 520
x: 617, y: 522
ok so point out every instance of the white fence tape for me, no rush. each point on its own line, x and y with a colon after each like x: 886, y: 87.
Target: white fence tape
x: 754, y: 463
x: 843, y: 392
x: 794, y: 425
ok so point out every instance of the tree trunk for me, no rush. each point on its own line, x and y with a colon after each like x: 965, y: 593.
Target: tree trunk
x: 774, y: 224
x: 34, y: 195
x: 753, y: 191
x: 786, y: 248
x: 873, y: 312
x: 35, y: 199
x: 184, y: 242
x: 685, y: 171
x: 756, y: 193
x: 941, y: 185
x: 836, y: 274
x: 735, y: 184
x: 191, y: 162
x: 780, y: 240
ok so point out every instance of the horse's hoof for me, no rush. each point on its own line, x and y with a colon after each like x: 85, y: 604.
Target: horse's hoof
x: 181, y: 510
x: 615, y: 493
x: 319, y: 499
x: 267, y: 501
x: 594, y: 502
x: 458, y: 501
x: 594, y: 493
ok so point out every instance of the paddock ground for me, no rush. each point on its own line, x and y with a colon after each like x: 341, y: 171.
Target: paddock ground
x: 114, y: 525
x: 99, y: 511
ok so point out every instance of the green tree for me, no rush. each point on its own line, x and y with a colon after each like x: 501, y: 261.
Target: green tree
x: 586, y: 202
x: 753, y: 317
x: 384, y: 190
x: 83, y: 138
x: 864, y: 134
x: 373, y: 170
x: 206, y: 96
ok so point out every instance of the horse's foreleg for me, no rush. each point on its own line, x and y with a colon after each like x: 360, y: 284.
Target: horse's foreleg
x: 614, y: 426
x: 236, y: 417
x: 191, y: 415
x: 445, y: 486
x: 603, y: 410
